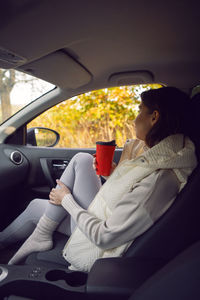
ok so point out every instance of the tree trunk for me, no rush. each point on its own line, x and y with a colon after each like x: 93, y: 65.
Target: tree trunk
x: 7, y: 82
x: 5, y: 106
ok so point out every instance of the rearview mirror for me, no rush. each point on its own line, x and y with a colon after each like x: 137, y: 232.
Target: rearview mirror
x: 42, y: 137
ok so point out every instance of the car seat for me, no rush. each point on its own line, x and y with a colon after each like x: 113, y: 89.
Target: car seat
x: 179, y: 279
x: 179, y: 226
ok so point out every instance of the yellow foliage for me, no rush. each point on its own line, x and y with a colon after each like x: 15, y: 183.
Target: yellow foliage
x: 104, y: 115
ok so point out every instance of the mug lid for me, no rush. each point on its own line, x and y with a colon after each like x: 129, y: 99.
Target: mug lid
x: 111, y: 143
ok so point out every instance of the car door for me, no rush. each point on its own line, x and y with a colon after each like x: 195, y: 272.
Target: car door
x: 29, y: 172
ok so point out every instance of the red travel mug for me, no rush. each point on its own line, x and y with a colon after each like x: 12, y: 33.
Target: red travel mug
x: 104, y: 157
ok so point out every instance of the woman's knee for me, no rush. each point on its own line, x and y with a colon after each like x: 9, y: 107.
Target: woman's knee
x: 83, y: 158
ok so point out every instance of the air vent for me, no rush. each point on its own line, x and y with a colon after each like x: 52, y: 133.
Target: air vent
x: 16, y: 157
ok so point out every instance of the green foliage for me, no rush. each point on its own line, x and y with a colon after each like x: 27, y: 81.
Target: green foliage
x: 104, y: 114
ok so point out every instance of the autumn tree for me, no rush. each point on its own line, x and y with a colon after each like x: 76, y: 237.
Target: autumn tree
x: 104, y: 114
x: 9, y: 79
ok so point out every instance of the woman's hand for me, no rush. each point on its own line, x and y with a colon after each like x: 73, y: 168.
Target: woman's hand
x: 56, y: 195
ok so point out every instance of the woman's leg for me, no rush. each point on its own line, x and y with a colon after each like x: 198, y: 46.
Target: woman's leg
x: 84, y: 184
x: 24, y: 224
x: 81, y: 179
x: 22, y: 227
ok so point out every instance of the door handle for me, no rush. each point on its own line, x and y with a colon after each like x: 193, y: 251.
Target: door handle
x: 60, y: 165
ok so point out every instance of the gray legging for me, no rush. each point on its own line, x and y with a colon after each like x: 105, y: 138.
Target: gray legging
x: 80, y: 178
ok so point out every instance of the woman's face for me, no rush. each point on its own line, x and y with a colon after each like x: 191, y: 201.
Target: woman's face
x: 145, y: 121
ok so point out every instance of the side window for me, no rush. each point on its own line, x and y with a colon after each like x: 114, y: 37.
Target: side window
x: 104, y: 115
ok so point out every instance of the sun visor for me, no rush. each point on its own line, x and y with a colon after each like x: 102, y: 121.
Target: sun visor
x: 59, y: 69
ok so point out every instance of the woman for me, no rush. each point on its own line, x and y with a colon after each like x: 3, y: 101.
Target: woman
x: 152, y: 171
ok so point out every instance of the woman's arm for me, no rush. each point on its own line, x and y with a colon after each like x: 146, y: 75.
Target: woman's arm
x: 133, y: 215
x: 127, y: 221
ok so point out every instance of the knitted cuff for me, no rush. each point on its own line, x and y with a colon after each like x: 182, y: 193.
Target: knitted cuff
x: 70, y: 204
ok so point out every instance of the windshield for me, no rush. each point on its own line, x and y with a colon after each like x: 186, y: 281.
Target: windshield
x: 18, y: 89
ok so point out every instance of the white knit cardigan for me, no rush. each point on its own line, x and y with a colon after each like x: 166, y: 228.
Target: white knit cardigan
x: 175, y: 152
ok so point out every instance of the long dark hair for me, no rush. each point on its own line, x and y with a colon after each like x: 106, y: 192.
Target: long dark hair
x: 172, y: 105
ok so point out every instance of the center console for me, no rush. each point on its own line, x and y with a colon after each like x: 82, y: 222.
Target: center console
x: 39, y: 282
x: 111, y: 278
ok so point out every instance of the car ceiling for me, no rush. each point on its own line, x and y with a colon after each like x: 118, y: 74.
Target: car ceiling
x: 89, y: 44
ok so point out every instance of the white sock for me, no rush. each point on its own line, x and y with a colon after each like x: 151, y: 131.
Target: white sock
x: 39, y: 240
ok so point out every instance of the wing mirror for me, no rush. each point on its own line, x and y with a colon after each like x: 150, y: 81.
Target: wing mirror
x: 42, y: 137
